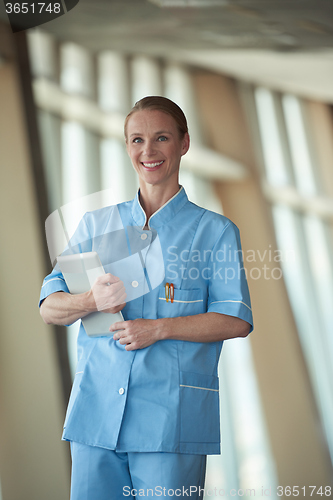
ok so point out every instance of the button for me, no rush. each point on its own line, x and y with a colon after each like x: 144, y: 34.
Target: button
x: 144, y: 236
x: 121, y: 391
x: 135, y: 284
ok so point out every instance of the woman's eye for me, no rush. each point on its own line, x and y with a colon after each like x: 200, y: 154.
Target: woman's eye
x: 162, y: 138
x: 137, y: 139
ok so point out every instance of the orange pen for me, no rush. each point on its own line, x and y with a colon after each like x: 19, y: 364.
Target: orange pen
x: 172, y: 292
x: 167, y: 292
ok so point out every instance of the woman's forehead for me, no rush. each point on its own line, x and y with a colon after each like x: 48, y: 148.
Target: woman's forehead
x: 151, y: 119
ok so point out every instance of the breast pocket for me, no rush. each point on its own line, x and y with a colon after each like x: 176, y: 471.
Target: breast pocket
x: 185, y: 303
x: 199, y: 408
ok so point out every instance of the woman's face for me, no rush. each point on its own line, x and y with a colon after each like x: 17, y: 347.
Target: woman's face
x: 154, y: 146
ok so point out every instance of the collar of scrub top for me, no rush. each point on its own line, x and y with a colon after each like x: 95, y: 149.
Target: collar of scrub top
x: 163, y: 215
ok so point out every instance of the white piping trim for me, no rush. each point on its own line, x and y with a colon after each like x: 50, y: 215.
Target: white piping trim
x: 174, y: 196
x: 78, y: 373
x: 182, y: 301
x: 202, y: 388
x: 238, y: 301
x: 53, y: 279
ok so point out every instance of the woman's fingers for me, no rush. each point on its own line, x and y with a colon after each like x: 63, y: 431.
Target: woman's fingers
x: 116, y: 293
x: 107, y: 278
x: 115, y: 309
x: 135, y: 334
x: 109, y: 293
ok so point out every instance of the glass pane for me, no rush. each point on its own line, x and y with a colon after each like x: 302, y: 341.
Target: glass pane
x: 304, y: 177
x: 113, y: 82
x: 275, y: 165
x: 178, y: 87
x: 74, y: 183
x: 222, y: 470
x: 145, y: 77
x: 246, y: 461
x: 50, y: 131
x: 80, y: 162
x: 321, y: 270
x: 304, y: 302
x: 321, y: 267
x: 255, y: 462
x: 117, y: 172
x: 77, y: 74
x: 43, y: 54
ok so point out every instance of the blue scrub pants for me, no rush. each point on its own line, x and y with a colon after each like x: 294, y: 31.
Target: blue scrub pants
x: 100, y: 474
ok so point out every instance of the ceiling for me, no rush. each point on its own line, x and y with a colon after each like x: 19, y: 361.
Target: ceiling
x: 286, y: 44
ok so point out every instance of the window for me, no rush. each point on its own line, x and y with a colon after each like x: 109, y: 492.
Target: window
x: 302, y: 215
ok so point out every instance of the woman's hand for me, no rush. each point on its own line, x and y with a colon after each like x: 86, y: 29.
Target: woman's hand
x: 109, y: 293
x: 137, y: 333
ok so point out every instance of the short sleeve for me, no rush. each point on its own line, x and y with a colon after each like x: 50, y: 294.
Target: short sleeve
x: 228, y: 289
x: 80, y: 242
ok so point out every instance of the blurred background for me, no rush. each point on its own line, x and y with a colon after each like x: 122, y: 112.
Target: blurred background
x: 254, y: 79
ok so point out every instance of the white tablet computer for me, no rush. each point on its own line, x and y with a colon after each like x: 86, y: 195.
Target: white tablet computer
x: 80, y: 272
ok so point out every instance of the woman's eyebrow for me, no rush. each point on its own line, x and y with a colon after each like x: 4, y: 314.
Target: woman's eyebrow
x: 156, y: 133
x: 163, y: 132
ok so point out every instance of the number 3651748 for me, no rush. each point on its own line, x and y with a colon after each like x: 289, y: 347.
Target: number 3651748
x: 32, y: 8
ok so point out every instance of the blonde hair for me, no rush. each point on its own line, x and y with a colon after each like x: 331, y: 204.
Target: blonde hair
x: 163, y: 104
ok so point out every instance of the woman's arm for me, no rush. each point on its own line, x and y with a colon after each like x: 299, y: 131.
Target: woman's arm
x: 206, y: 327
x: 107, y: 295
x: 63, y: 308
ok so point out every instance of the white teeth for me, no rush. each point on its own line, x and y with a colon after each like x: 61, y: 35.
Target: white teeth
x: 151, y: 165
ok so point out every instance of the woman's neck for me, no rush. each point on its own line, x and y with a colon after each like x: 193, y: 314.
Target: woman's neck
x: 154, y: 197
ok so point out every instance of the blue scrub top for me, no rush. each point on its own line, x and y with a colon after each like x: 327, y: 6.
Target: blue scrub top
x: 163, y: 398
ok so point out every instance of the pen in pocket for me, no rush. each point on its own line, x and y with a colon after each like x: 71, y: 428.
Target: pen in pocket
x: 169, y: 292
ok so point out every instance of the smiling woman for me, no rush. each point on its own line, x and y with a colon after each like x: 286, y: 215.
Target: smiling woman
x: 144, y: 408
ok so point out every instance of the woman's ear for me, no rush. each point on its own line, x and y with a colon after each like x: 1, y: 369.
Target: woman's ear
x: 185, y: 143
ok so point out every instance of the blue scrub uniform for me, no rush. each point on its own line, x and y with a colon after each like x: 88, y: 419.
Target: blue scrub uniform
x: 163, y: 398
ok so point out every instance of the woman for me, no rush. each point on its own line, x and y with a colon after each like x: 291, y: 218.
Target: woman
x: 144, y: 408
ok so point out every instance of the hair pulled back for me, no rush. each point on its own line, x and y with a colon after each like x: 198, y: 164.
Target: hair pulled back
x: 163, y: 104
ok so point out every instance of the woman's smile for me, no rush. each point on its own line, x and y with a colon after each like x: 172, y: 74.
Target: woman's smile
x: 152, y: 165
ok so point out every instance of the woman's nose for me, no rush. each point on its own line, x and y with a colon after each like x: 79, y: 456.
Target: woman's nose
x: 149, y: 148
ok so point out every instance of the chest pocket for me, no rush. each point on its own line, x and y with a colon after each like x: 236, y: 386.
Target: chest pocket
x: 185, y: 303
